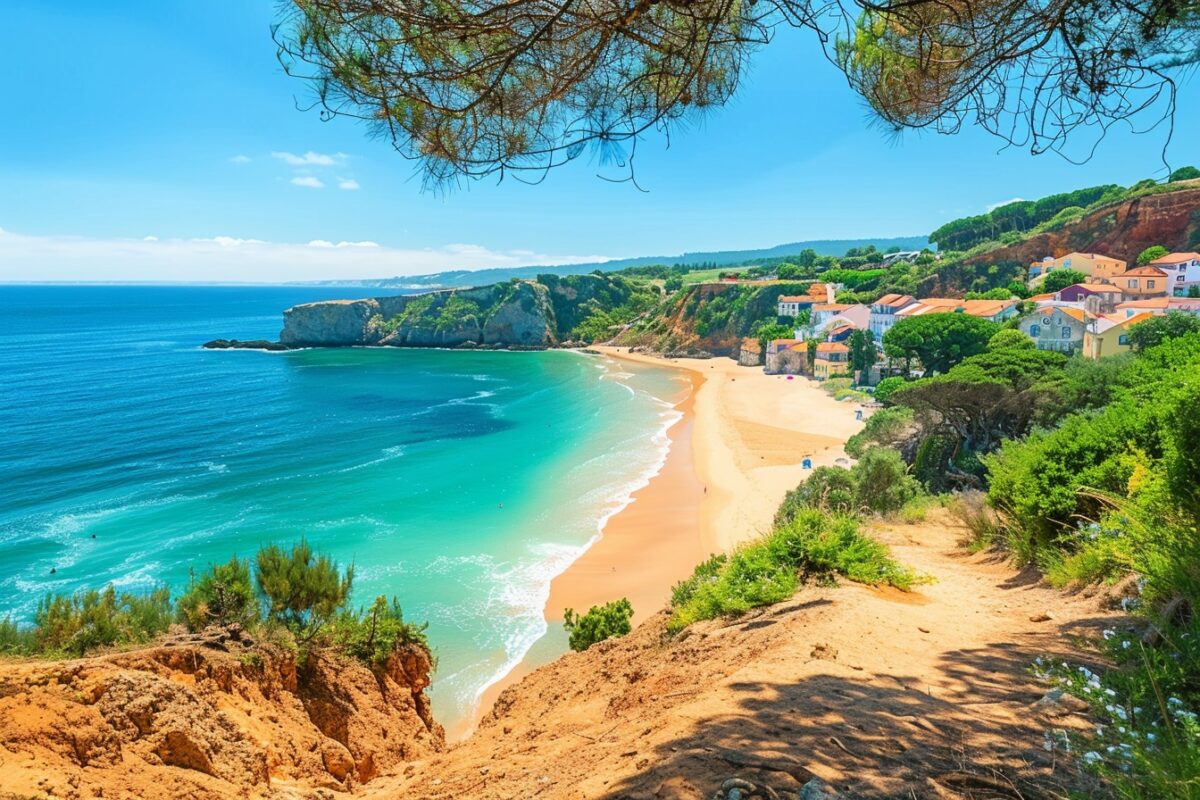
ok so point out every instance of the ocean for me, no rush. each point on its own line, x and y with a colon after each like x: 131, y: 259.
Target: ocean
x: 460, y: 482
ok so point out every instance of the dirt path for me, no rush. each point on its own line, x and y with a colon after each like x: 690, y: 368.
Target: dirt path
x: 881, y: 694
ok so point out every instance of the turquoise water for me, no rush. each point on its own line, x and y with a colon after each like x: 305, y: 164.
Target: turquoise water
x: 460, y: 482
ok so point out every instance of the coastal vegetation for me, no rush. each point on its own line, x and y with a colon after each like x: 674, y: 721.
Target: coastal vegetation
x: 293, y: 595
x: 810, y: 545
x: 1089, y: 472
x: 599, y: 623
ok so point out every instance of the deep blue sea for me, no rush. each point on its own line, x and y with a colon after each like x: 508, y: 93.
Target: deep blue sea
x: 460, y: 482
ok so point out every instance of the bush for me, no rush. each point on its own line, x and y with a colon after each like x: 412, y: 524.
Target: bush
x: 879, y: 483
x: 86, y: 620
x: 303, y: 591
x: 883, y: 484
x: 830, y: 489
x: 371, y: 636
x: 812, y: 545
x: 887, y: 427
x: 15, y: 640
x: 599, y: 623
x: 221, y: 596
x: 884, y: 389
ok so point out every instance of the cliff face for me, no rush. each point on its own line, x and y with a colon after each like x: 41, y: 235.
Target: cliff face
x: 1170, y: 219
x: 210, y: 719
x: 508, y: 314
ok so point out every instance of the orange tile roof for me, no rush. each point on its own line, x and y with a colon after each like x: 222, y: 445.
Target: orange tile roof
x: 1075, y: 313
x: 794, y: 298
x: 1047, y: 296
x: 1099, y: 287
x: 831, y: 307
x: 986, y: 308
x: 1175, y: 258
x: 1153, y: 302
x: 892, y: 300
x: 1146, y: 270
x: 832, y: 347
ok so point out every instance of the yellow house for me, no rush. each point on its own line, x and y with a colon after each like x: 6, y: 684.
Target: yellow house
x: 833, y: 358
x: 1096, y: 266
x: 1142, y: 283
x: 1109, y: 334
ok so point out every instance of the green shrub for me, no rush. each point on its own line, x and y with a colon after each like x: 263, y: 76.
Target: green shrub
x: 16, y: 640
x: 221, y: 596
x: 884, y: 389
x: 879, y: 483
x: 302, y: 591
x: 599, y: 623
x: 887, y: 427
x: 371, y: 636
x: 830, y: 489
x: 811, y: 545
x: 882, y: 482
x: 89, y: 619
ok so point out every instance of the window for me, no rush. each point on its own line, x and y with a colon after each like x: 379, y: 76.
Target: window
x: 1035, y: 330
x: 1133, y: 284
x: 1123, y: 338
x: 1045, y: 320
x: 1150, y: 283
x: 1066, y: 332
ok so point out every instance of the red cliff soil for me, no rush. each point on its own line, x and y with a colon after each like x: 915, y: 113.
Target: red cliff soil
x: 1170, y: 219
x: 207, y: 718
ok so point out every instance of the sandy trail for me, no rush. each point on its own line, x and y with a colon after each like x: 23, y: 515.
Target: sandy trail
x: 883, y: 694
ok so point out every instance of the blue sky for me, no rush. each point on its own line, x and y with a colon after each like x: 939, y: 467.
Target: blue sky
x: 126, y: 120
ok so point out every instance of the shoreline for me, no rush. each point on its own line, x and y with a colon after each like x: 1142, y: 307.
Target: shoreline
x: 735, y: 452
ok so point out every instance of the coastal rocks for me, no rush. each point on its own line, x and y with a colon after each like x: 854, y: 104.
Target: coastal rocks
x: 237, y: 344
x: 511, y: 315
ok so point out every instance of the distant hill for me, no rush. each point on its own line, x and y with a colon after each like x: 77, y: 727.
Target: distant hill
x: 719, y: 258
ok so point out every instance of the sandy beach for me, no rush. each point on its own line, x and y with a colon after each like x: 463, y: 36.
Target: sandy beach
x: 737, y: 450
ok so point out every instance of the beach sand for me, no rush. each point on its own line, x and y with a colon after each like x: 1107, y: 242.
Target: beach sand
x: 737, y: 450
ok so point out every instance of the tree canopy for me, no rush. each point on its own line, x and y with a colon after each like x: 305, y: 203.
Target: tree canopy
x: 471, y: 89
x: 1156, y: 330
x: 1060, y: 279
x: 938, y: 341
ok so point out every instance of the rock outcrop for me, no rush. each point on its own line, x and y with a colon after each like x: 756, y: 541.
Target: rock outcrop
x: 516, y: 314
x: 210, y: 718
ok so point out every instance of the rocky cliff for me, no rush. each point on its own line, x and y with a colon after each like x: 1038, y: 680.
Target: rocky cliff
x: 516, y: 314
x: 1170, y: 219
x: 210, y: 716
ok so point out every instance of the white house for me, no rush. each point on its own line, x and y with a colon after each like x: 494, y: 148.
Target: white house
x: 883, y: 313
x: 1056, y: 328
x: 1182, y: 271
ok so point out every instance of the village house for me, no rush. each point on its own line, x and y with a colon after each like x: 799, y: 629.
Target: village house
x: 883, y: 313
x: 822, y: 313
x: 1055, y: 328
x: 1098, y: 267
x: 994, y: 310
x: 786, y: 357
x: 1142, y: 283
x: 790, y: 305
x: 1182, y: 271
x: 1080, y: 292
x: 1159, y: 306
x: 833, y: 358
x: 1108, y: 334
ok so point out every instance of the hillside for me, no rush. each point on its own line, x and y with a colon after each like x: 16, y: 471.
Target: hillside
x: 716, y: 258
x: 1122, y: 230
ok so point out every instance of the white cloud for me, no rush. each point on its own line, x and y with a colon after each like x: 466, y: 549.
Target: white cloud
x: 240, y: 159
x: 232, y: 258
x: 149, y: 238
x: 308, y: 181
x: 347, y: 183
x: 310, y: 159
x: 327, y: 243
x: 994, y: 206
